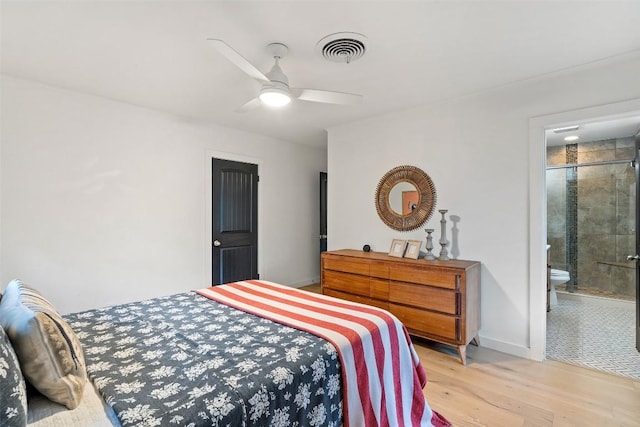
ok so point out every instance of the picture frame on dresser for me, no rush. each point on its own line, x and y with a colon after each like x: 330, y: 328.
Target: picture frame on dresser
x: 413, y: 249
x: 397, y: 248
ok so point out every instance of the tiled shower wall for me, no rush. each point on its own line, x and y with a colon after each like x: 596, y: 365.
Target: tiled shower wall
x: 591, y: 215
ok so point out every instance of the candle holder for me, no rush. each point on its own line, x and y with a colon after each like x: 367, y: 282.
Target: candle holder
x: 429, y: 245
x: 443, y: 236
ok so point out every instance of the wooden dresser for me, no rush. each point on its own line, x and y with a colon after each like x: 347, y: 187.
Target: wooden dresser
x: 437, y: 300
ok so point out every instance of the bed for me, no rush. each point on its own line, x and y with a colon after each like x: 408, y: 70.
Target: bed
x: 249, y: 353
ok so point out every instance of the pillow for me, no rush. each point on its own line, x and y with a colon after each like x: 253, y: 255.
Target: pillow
x: 49, y: 351
x: 13, y: 393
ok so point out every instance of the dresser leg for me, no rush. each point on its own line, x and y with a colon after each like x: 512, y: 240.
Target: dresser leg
x: 476, y: 341
x: 462, y: 354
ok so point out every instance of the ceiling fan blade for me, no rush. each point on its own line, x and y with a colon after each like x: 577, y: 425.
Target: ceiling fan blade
x: 238, y: 60
x: 326, y: 96
x: 254, y: 103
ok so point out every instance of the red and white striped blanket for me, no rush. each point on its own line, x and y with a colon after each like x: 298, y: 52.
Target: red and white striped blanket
x: 382, y: 375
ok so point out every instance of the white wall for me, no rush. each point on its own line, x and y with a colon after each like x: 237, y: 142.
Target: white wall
x: 104, y: 202
x: 476, y: 150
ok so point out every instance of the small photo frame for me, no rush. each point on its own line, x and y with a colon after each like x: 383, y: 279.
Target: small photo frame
x: 413, y: 249
x: 397, y: 247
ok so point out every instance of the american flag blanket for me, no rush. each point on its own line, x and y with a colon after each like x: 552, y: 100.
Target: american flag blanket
x: 382, y: 374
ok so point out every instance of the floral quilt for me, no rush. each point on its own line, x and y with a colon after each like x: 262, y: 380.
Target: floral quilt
x: 187, y: 360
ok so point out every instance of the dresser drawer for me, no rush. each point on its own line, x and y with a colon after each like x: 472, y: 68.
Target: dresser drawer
x: 346, y: 282
x: 426, y: 322
x: 357, y: 298
x: 379, y: 289
x: 347, y: 265
x: 420, y: 296
x: 379, y: 269
x: 438, y: 278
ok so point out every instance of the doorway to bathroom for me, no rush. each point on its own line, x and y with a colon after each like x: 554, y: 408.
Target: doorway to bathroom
x: 591, y: 229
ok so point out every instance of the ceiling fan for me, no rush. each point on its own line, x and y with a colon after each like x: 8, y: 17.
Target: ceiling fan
x: 275, y: 90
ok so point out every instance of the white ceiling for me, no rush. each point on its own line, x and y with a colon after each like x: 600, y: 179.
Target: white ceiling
x: 155, y: 54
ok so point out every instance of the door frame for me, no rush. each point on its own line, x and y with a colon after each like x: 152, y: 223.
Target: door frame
x: 538, y: 207
x: 208, y: 215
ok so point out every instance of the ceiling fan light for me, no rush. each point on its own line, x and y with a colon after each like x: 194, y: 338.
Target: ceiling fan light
x: 274, y: 97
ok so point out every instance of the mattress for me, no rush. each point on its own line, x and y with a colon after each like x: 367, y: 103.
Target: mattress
x: 92, y: 412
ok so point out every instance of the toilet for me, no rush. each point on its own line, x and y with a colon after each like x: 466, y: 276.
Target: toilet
x: 558, y: 277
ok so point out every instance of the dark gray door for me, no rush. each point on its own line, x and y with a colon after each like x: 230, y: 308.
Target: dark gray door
x: 323, y: 211
x: 235, y: 221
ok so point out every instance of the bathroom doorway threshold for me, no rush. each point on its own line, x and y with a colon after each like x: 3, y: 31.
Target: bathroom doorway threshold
x: 586, y: 293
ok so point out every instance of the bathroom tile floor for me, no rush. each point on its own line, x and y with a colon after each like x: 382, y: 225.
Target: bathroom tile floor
x: 597, y: 333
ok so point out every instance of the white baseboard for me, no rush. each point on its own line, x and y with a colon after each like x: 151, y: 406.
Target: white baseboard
x: 305, y: 282
x: 505, y: 347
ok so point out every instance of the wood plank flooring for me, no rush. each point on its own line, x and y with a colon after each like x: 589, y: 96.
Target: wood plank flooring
x: 496, y: 389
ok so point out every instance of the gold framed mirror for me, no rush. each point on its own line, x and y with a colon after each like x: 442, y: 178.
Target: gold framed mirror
x: 405, y: 198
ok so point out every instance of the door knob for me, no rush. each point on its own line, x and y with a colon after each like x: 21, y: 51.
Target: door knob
x: 633, y: 257
x: 216, y: 243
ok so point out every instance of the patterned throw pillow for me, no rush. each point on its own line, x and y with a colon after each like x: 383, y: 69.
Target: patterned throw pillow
x: 13, y: 392
x: 49, y: 352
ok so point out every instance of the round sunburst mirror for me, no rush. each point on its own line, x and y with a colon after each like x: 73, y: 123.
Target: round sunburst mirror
x: 405, y: 198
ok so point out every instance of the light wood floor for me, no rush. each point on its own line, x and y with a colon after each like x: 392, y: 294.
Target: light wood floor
x: 495, y: 389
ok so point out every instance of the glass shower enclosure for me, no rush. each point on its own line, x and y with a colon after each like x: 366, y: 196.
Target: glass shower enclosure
x: 591, y: 216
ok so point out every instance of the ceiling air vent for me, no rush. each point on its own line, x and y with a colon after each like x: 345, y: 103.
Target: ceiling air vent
x: 342, y: 47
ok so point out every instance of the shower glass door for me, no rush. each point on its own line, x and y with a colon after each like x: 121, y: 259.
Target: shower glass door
x: 591, y: 217
x: 605, y: 231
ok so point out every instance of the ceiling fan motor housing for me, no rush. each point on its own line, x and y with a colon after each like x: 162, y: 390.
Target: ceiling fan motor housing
x: 276, y: 75
x: 275, y: 87
x: 275, y: 92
